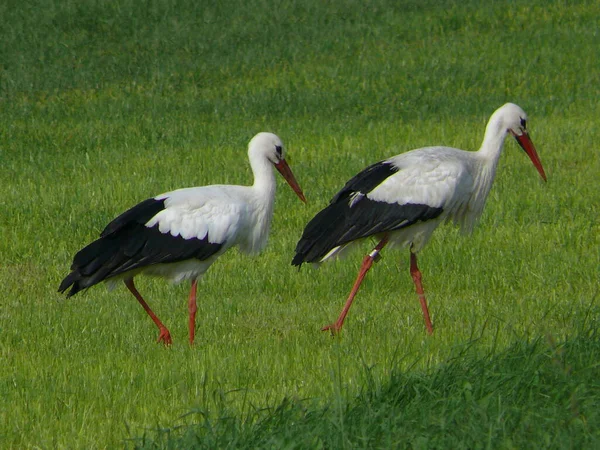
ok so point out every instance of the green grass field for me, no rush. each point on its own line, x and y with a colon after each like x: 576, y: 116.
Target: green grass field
x: 104, y: 104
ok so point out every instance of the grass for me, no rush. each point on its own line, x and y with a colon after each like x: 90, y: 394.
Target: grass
x: 534, y: 393
x: 104, y: 104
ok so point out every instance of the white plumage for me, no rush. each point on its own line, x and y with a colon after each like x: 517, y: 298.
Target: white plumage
x: 179, y: 234
x: 403, y: 199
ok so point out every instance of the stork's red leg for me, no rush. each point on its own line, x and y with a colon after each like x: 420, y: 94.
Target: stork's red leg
x: 416, y: 276
x: 192, y: 307
x: 164, y: 335
x: 364, y: 268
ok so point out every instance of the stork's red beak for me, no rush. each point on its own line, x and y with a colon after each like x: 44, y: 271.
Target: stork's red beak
x: 526, y: 144
x: 286, y: 172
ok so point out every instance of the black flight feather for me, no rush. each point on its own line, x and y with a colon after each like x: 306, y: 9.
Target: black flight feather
x: 127, y: 244
x: 351, y: 215
x: 367, y: 180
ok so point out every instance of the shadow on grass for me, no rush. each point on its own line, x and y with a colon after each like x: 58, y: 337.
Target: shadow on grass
x: 540, y: 394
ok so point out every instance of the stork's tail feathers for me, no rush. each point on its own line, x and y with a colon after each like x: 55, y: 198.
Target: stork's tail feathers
x: 74, y: 281
x: 91, y: 265
x: 321, y: 235
x: 298, y: 259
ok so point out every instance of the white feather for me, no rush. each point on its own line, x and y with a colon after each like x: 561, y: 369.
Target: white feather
x: 455, y: 180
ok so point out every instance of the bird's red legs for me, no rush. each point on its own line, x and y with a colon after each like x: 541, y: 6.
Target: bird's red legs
x: 192, y: 307
x: 366, y: 265
x: 164, y: 335
x: 416, y: 276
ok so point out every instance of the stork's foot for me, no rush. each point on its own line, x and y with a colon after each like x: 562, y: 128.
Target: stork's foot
x: 164, y: 336
x: 334, y: 328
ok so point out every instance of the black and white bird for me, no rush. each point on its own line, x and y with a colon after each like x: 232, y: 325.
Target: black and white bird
x: 402, y: 200
x: 179, y: 234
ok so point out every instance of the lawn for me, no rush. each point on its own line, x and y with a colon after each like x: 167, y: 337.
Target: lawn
x: 104, y: 104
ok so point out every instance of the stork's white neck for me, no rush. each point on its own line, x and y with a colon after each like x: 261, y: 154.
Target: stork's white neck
x: 261, y: 198
x: 486, y: 163
x: 493, y: 140
x: 264, y: 178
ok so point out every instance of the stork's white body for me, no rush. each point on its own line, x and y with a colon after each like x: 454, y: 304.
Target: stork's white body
x: 403, y: 199
x: 179, y: 234
x: 223, y: 214
x: 454, y: 180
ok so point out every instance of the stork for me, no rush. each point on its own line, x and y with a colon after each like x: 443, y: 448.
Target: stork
x: 180, y: 234
x: 400, y: 201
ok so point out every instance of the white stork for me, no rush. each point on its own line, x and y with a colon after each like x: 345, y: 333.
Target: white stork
x: 402, y: 200
x: 179, y: 234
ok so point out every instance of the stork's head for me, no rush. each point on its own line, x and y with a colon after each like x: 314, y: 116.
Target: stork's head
x: 270, y: 147
x: 514, y: 119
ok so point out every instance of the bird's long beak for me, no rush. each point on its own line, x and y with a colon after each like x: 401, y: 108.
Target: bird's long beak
x: 286, y: 172
x: 526, y: 144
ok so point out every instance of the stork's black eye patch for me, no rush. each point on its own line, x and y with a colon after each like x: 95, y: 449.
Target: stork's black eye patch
x: 278, y: 149
x: 523, y: 123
